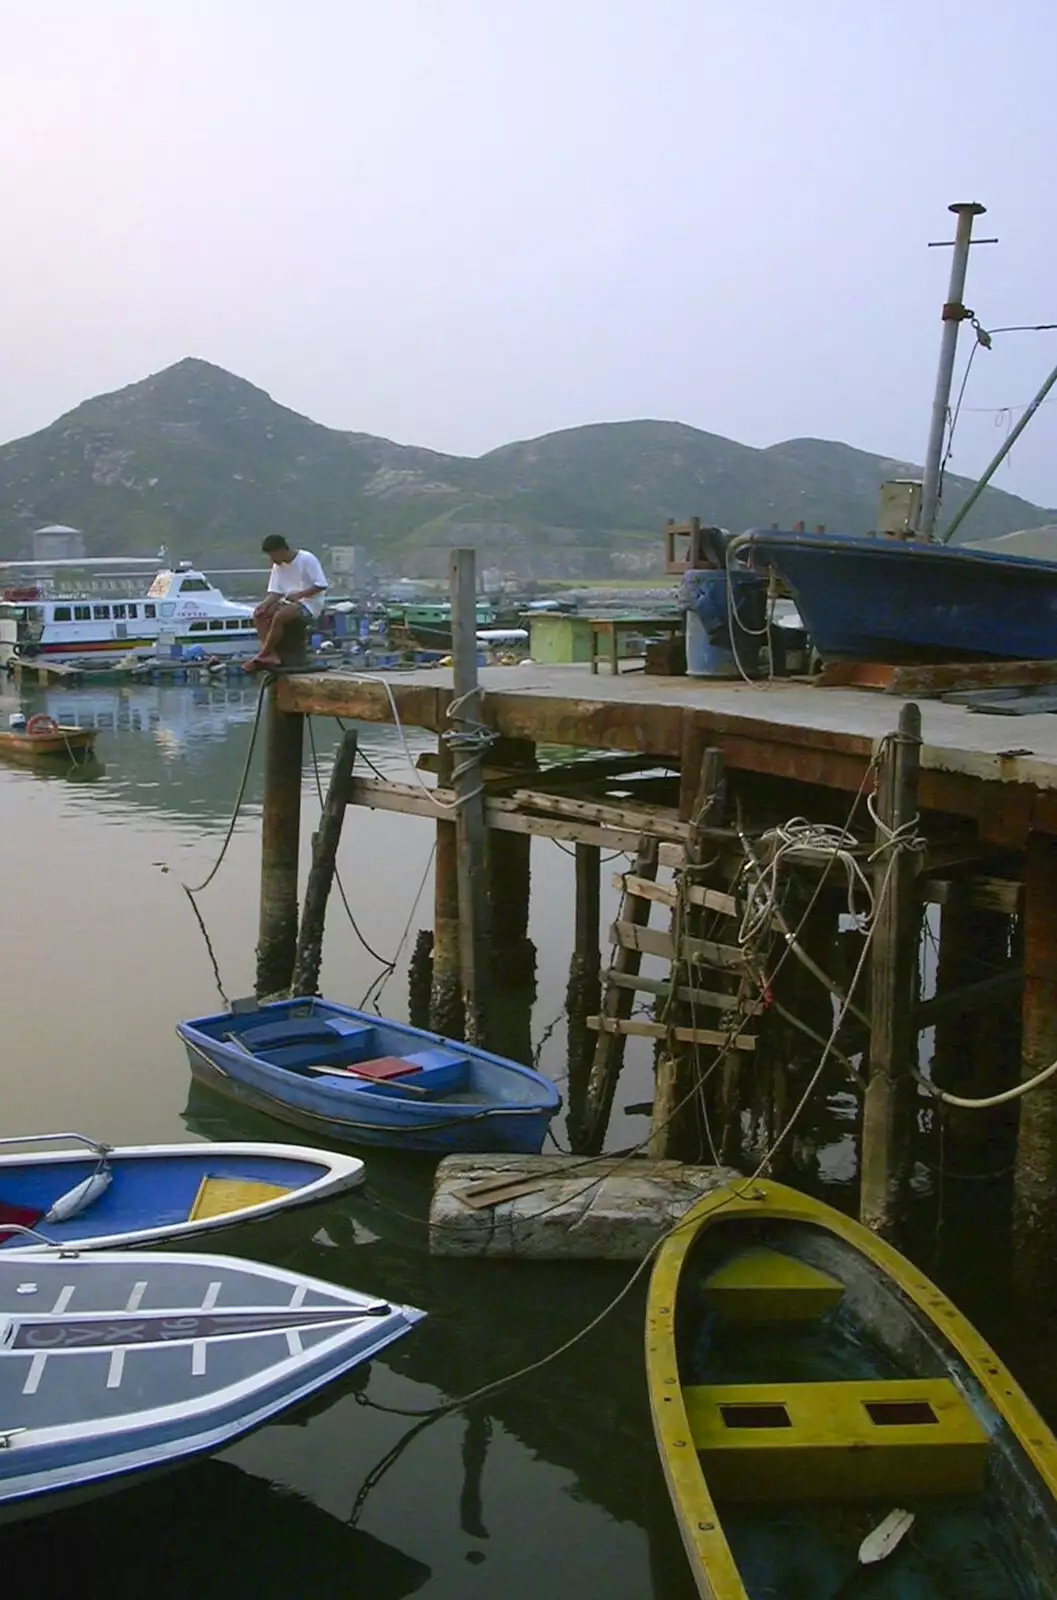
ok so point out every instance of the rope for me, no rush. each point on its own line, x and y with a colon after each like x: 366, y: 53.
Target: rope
x: 238, y: 798
x: 371, y: 951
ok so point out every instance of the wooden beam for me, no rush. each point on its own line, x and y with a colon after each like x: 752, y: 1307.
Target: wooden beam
x: 321, y: 875
x: 982, y: 893
x: 445, y: 993
x: 640, y: 1028
x: 886, y: 1129
x: 659, y: 820
x: 1035, y: 1173
x: 628, y: 935
x: 667, y: 894
x: 616, y: 1005
x: 1001, y: 989
x: 501, y: 814
x: 931, y: 679
x: 662, y: 988
x: 468, y: 784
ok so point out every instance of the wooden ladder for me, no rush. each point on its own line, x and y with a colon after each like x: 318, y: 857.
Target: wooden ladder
x: 678, y: 996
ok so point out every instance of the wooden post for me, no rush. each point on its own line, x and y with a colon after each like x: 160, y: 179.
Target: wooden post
x: 890, y: 1092
x: 1035, y: 1180
x: 513, y: 963
x: 609, y: 1047
x: 445, y: 1006
x: 468, y: 784
x: 280, y: 838
x: 692, y: 753
x: 584, y: 991
x: 321, y: 875
x: 674, y: 1123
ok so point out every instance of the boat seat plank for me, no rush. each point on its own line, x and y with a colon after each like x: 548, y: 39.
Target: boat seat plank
x: 294, y: 1030
x: 217, y: 1196
x: 767, y: 1286
x: 853, y: 1440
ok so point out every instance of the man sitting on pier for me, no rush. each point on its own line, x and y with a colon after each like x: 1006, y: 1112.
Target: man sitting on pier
x: 295, y: 595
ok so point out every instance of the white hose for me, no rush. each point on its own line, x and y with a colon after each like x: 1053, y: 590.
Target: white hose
x: 1002, y: 1099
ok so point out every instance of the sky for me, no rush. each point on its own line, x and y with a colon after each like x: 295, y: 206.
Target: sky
x: 461, y: 222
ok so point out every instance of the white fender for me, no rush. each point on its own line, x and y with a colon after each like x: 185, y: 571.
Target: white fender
x: 78, y: 1199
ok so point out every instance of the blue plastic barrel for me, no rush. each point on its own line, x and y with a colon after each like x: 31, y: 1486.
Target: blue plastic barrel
x: 710, y: 613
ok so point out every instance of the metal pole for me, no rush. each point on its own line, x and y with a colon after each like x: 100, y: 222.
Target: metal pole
x: 953, y: 314
x: 997, y: 460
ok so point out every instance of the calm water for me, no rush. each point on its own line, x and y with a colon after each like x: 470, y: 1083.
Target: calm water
x: 550, y: 1489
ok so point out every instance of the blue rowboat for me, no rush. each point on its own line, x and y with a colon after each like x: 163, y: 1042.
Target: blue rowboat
x: 892, y: 600
x: 124, y: 1363
x: 103, y: 1196
x: 365, y: 1080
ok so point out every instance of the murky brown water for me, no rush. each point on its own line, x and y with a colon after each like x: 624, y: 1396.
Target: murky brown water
x: 553, y: 1491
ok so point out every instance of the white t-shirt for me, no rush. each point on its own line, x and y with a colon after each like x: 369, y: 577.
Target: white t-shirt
x: 303, y: 572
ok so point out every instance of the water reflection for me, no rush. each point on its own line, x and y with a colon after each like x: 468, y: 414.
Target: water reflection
x: 173, y: 1538
x: 552, y: 1485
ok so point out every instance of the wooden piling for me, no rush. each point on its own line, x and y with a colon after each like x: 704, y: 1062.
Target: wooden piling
x: 468, y: 785
x: 1035, y: 1180
x: 584, y: 991
x: 616, y: 1006
x: 280, y: 839
x: 325, y: 843
x: 513, y: 963
x: 445, y: 1006
x: 890, y: 1091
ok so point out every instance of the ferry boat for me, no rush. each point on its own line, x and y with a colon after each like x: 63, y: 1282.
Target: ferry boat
x: 181, y: 607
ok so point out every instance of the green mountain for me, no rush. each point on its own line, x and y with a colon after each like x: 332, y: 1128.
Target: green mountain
x: 202, y: 461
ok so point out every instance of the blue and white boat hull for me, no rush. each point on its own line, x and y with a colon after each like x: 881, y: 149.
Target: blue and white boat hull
x: 117, y: 1364
x: 151, y: 1193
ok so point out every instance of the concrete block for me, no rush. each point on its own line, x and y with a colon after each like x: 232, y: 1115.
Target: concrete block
x: 561, y: 1207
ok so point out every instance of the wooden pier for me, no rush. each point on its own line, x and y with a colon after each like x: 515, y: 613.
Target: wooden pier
x: 944, y: 807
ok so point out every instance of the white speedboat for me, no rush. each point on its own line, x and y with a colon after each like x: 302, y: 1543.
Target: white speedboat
x: 180, y: 607
x: 121, y: 1364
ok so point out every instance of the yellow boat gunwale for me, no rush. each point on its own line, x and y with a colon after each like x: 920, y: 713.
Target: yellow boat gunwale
x: 708, y: 1552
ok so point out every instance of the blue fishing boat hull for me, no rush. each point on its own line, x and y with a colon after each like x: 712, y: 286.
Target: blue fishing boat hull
x: 888, y: 600
x: 439, y: 1097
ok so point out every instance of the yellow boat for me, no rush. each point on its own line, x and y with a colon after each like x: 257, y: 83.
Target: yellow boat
x: 44, y: 739
x: 829, y: 1424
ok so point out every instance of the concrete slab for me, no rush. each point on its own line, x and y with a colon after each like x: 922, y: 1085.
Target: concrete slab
x: 569, y: 1207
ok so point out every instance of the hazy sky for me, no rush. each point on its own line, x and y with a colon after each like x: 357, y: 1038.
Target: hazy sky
x: 460, y: 222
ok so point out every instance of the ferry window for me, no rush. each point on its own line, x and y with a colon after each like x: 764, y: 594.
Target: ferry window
x: 233, y: 623
x: 149, y: 610
x: 133, y: 612
x: 193, y: 585
x: 119, y: 613
x: 61, y: 614
x: 101, y: 613
x: 82, y: 613
x: 199, y: 627
x: 216, y: 627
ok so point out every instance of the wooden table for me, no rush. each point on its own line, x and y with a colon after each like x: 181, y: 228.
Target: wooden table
x: 606, y: 632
